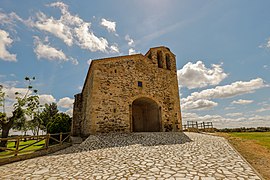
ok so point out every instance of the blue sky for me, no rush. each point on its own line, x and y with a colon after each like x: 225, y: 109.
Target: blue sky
x: 222, y: 50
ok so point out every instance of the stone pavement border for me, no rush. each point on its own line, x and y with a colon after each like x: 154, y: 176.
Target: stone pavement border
x: 205, y: 157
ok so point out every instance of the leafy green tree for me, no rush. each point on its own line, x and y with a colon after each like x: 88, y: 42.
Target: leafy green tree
x: 61, y: 123
x: 25, y: 105
x: 29, y: 102
x: 48, y: 114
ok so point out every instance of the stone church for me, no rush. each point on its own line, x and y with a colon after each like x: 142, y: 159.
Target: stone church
x: 133, y: 93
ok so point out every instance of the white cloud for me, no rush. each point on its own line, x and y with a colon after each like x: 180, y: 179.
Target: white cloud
x: 89, y: 61
x: 4, y: 19
x: 109, y: 25
x: 234, y: 89
x: 47, y: 52
x: 265, y: 66
x: 263, y: 109
x: 265, y: 45
x: 114, y: 48
x: 129, y: 40
x: 10, y: 97
x: 131, y: 51
x: 8, y: 19
x: 71, y: 29
x: 69, y: 112
x: 55, y: 27
x: 87, y: 39
x: 74, y: 61
x: 242, y: 101
x: 46, y: 98
x: 234, y: 114
x: 199, y: 104
x: 229, y: 108
x: 223, y: 122
x: 198, y: 76
x: 10, y: 92
x: 6, y: 41
x: 61, y: 5
x: 80, y: 88
x: 65, y: 102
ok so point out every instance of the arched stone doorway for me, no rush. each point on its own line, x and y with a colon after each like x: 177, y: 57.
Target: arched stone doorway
x: 145, y: 115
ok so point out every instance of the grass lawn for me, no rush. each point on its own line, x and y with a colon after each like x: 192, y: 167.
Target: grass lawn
x: 262, y: 138
x: 254, y: 147
x: 34, y: 147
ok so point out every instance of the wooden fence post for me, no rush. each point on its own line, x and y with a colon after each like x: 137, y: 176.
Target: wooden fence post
x: 47, y: 141
x: 61, y: 136
x: 17, y: 145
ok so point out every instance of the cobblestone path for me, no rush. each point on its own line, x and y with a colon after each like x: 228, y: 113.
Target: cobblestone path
x: 138, y: 156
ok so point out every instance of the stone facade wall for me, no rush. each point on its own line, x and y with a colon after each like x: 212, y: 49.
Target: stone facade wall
x: 111, y: 86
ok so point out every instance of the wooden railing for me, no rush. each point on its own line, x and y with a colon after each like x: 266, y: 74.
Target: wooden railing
x: 194, y: 126
x: 18, y: 150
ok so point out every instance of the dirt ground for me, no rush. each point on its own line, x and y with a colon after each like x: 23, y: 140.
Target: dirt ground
x: 257, y: 155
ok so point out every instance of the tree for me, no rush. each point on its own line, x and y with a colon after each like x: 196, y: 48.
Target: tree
x: 60, y: 123
x: 25, y: 105
x: 2, y: 99
x: 47, y: 115
x: 29, y: 102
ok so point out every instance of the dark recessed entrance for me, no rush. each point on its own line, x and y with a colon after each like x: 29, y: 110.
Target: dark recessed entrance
x: 145, y: 115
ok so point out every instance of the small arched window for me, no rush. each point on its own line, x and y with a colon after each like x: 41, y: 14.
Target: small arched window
x: 168, y: 62
x: 159, y: 59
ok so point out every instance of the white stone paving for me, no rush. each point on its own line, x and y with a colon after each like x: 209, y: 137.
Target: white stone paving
x: 138, y: 156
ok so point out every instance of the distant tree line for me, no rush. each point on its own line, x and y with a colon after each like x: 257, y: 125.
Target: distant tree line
x: 244, y: 129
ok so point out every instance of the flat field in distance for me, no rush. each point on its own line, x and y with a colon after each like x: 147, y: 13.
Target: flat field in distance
x: 262, y: 138
x: 254, y: 147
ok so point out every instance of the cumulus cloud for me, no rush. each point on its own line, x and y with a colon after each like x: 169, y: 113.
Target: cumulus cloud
x: 242, y: 101
x: 6, y: 41
x: 131, y: 51
x: 200, y: 100
x: 10, y: 92
x: 66, y: 102
x: 55, y: 27
x: 46, y: 99
x: 71, y: 29
x: 231, y: 90
x: 10, y: 97
x: 47, y: 52
x: 199, y: 104
x: 129, y: 40
x: 198, y: 76
x: 69, y: 112
x: 109, y: 25
x: 87, y: 39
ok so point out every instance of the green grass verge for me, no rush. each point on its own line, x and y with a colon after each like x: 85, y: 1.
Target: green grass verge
x: 33, y: 148
x: 262, y: 138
